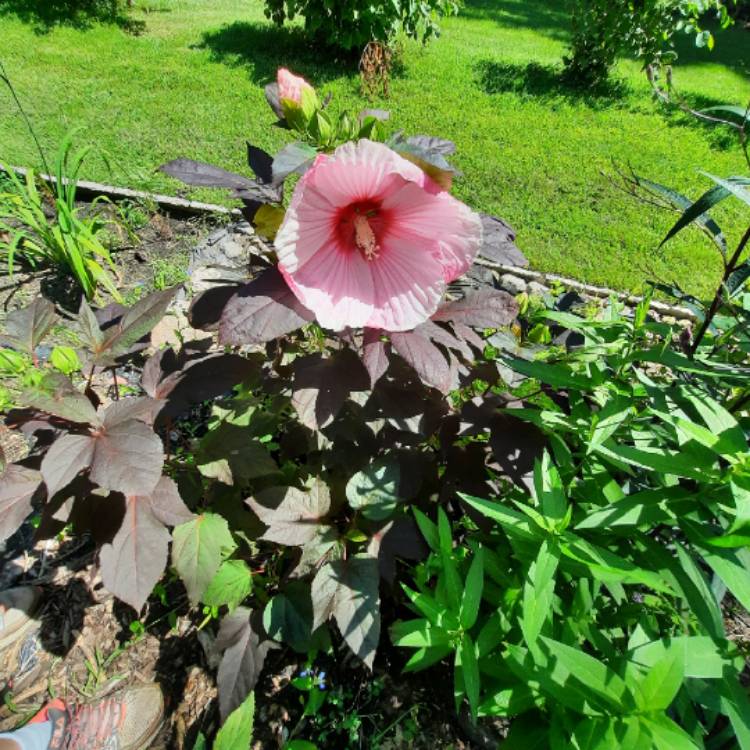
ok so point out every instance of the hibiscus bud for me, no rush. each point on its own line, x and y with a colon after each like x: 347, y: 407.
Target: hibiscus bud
x: 298, y: 98
x: 291, y: 86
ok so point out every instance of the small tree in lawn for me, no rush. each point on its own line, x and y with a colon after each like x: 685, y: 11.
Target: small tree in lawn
x: 604, y: 30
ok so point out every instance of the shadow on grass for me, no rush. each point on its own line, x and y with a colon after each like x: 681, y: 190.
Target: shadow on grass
x: 720, y: 137
x: 44, y: 15
x: 263, y: 48
x: 546, y: 82
x: 543, y: 16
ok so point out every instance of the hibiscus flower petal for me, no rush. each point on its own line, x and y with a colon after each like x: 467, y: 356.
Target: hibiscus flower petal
x: 423, y: 217
x: 363, y: 171
x: 408, y: 286
x: 307, y: 226
x: 346, y: 297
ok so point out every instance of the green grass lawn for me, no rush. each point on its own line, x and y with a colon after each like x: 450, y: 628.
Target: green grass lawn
x: 532, y: 152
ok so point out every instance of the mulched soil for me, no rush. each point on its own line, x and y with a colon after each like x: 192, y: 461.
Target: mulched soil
x: 89, y: 650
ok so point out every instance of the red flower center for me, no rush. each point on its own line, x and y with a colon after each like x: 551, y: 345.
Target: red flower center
x: 360, y: 226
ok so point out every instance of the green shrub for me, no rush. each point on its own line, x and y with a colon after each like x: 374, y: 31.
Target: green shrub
x: 351, y: 24
x: 604, y: 30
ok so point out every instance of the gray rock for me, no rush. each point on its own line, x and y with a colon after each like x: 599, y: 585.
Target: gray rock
x: 512, y: 284
x: 535, y: 289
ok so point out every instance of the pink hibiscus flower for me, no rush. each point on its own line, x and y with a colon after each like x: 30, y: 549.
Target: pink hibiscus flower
x: 370, y: 240
x: 291, y: 86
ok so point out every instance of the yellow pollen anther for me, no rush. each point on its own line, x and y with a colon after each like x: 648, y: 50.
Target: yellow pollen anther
x: 365, y: 238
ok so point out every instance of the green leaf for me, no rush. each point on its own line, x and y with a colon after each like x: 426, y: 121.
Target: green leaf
x: 374, y: 490
x: 549, y: 489
x: 472, y: 591
x: 65, y: 360
x: 594, y: 674
x: 666, y: 735
x: 198, y: 549
x: 418, y: 634
x: 736, y: 705
x: 737, y: 186
x: 466, y: 661
x: 230, y: 586
x: 731, y: 565
x: 660, y: 460
x: 607, y: 566
x: 699, y: 595
x: 429, y: 530
x: 538, y: 593
x: 237, y: 731
x: 697, y: 212
x: 511, y: 520
x: 288, y: 616
x: 558, y: 376
x: 300, y: 745
x: 662, y: 683
x: 701, y: 656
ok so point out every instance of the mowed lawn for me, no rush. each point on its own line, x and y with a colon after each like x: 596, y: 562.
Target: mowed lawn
x: 540, y: 156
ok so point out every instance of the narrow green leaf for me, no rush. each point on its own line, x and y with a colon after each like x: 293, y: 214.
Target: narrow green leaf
x: 472, y: 591
x: 662, y: 682
x: 538, y: 593
x: 470, y: 671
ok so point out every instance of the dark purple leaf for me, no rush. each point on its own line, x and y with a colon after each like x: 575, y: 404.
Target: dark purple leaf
x: 56, y: 395
x: 128, y: 458
x: 167, y: 505
x: 348, y: 590
x: 431, y: 143
x: 427, y: 360
x: 17, y: 487
x: 468, y: 335
x: 139, y: 320
x: 400, y: 539
x: 68, y: 457
x: 261, y: 162
x: 485, y: 308
x: 231, y: 455
x: 134, y: 561
x: 192, y: 376
x: 323, y: 384
x: 206, y: 309
x: 374, y: 355
x: 25, y: 328
x: 142, y: 408
x: 293, y: 516
x: 242, y: 662
x: 261, y: 311
x: 439, y: 335
x: 294, y: 157
x: 89, y: 326
x: 498, y: 243
x: 200, y: 174
x: 274, y: 102
x: 516, y: 445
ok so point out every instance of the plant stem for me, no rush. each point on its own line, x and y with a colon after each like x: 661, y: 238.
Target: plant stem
x: 6, y: 80
x: 716, y: 302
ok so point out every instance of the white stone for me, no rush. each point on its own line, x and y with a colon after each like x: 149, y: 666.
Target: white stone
x: 512, y: 284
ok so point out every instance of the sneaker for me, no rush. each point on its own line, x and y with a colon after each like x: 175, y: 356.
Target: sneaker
x: 21, y: 653
x: 128, y: 720
x: 18, y: 607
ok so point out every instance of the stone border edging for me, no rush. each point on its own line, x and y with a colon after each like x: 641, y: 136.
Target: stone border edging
x: 168, y: 202
x: 184, y: 206
x: 601, y: 292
